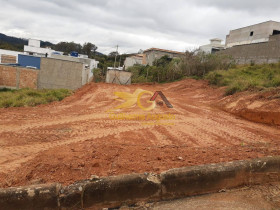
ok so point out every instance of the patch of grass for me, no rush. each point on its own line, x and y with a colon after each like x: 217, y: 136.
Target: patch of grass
x: 30, y: 97
x: 250, y: 77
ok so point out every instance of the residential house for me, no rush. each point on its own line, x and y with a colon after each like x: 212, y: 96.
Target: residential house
x: 153, y: 54
x: 257, y: 33
x: 214, y: 46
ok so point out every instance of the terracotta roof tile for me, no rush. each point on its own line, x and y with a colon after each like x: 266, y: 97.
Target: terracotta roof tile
x: 162, y: 50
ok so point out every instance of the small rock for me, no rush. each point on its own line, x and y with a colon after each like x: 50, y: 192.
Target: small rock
x: 94, y: 177
x: 81, y: 164
x: 36, y: 181
x: 180, y: 158
x: 96, y: 165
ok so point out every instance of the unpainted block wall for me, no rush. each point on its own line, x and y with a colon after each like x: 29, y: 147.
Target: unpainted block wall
x: 266, y: 52
x: 16, y: 77
x: 8, y: 59
x: 118, y: 77
x: 55, y: 73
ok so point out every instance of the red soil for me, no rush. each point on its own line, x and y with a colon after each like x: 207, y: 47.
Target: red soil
x: 73, y: 139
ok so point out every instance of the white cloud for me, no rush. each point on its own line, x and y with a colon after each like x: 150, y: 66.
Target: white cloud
x: 132, y: 24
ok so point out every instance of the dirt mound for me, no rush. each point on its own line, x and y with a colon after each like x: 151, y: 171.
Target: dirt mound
x: 262, y: 107
x: 75, y: 138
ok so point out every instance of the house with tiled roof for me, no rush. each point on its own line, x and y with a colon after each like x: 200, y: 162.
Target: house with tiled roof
x: 152, y: 54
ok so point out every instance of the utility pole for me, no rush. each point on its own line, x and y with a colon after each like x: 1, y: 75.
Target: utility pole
x: 120, y: 61
x: 116, y: 57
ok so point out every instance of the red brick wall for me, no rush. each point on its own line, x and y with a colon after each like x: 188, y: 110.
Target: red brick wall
x: 8, y: 76
x: 8, y: 59
x: 27, y: 78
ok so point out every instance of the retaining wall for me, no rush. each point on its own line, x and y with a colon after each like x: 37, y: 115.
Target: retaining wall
x: 115, y: 191
x: 259, y: 53
x: 17, y: 77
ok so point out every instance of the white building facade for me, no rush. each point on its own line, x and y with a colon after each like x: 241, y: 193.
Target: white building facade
x: 34, y: 48
x: 253, y: 34
x: 133, y: 60
x: 214, y: 46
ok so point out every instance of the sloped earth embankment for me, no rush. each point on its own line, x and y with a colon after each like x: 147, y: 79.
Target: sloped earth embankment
x: 260, y: 107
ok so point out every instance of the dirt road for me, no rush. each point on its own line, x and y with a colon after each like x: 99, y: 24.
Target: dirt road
x: 76, y: 138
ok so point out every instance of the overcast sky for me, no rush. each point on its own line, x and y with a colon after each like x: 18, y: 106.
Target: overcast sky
x: 132, y: 24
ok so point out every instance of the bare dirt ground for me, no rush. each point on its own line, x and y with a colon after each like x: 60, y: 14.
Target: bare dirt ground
x: 73, y: 139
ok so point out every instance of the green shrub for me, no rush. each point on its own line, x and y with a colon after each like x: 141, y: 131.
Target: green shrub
x: 98, y: 75
x: 193, y: 64
x: 29, y: 97
x: 214, y: 77
x: 246, y: 77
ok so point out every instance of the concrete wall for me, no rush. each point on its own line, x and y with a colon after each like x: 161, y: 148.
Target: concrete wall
x: 153, y: 55
x: 56, y: 73
x: 87, y: 75
x: 17, y: 77
x: 267, y: 52
x: 118, y: 77
x: 131, y: 61
x: 92, y: 63
x: 261, y: 33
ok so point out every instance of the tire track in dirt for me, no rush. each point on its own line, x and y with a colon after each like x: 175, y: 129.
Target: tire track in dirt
x: 27, y: 134
x: 13, y: 155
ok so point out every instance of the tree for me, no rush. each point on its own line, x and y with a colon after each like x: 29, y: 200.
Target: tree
x: 89, y: 49
x: 68, y: 47
x: 113, y: 54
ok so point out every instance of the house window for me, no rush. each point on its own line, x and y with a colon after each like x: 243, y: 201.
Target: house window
x: 276, y: 32
x: 251, y: 33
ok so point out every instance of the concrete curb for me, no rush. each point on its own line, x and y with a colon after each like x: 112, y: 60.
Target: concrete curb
x: 115, y: 191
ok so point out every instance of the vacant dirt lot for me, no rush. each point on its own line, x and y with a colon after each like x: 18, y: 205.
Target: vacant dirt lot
x: 73, y: 139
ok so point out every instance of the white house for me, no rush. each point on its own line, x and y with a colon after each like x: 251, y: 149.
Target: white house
x: 34, y: 48
x: 214, y: 46
x: 133, y: 60
x: 257, y: 33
